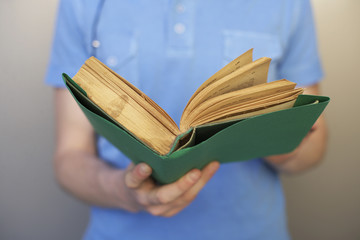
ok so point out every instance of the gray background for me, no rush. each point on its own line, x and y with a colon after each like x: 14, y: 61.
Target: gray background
x: 323, y: 203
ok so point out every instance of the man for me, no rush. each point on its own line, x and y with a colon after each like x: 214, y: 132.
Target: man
x: 167, y: 49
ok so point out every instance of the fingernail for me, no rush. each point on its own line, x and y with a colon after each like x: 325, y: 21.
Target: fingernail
x: 215, y: 165
x: 145, y: 169
x: 194, y: 175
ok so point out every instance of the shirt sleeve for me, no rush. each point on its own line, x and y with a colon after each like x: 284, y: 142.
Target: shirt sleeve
x: 301, y: 62
x: 68, y: 51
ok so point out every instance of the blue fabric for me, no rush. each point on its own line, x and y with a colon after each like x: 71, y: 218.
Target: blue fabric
x: 167, y: 48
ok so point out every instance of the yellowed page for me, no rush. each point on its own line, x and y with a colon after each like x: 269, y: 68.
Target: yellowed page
x: 118, y: 82
x: 249, y: 75
x: 236, y: 98
x: 255, y: 104
x: 242, y: 110
x: 235, y: 64
x: 282, y: 106
x: 125, y: 110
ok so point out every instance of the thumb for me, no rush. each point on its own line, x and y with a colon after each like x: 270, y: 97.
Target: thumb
x: 136, y: 175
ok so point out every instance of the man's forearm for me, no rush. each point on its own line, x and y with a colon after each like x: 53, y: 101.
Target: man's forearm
x: 93, y: 181
x: 81, y: 173
x: 309, y: 153
x: 88, y: 178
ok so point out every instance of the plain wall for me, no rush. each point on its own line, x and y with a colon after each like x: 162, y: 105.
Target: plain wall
x: 32, y: 207
x: 323, y: 203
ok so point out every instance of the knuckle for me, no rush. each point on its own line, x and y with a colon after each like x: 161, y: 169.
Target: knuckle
x: 185, y: 183
x: 142, y: 199
x: 162, y: 198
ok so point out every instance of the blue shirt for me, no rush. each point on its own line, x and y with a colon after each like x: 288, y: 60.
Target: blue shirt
x: 167, y: 48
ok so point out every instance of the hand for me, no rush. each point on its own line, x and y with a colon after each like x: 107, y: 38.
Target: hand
x: 142, y: 194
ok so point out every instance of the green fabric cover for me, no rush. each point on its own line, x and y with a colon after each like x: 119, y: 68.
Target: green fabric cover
x: 268, y: 134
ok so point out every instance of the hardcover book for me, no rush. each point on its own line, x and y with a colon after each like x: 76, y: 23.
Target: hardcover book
x: 235, y: 115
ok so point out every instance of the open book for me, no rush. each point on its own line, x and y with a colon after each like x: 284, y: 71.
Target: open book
x: 233, y: 116
x: 237, y: 91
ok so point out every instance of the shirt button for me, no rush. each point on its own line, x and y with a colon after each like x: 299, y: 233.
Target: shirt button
x: 96, y: 43
x: 180, y: 8
x: 179, y: 28
x: 112, y: 61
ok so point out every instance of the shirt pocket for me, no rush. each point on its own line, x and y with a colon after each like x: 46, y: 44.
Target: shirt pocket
x: 119, y: 51
x: 237, y: 42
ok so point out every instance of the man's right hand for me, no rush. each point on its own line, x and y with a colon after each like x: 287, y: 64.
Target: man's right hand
x: 141, y: 193
x: 80, y: 172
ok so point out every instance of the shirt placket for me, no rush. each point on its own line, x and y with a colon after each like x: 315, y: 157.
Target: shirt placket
x: 180, y: 28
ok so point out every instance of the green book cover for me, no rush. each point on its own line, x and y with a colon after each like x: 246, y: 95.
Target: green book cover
x: 267, y: 134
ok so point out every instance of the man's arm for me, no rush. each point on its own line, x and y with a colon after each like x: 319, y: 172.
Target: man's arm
x: 80, y: 172
x: 311, y: 149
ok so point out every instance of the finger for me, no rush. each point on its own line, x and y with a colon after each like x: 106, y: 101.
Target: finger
x: 172, y: 212
x: 158, y: 210
x: 136, y: 175
x: 177, y: 206
x: 207, y: 173
x: 168, y: 193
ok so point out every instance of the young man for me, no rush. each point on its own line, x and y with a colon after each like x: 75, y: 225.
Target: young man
x: 168, y: 48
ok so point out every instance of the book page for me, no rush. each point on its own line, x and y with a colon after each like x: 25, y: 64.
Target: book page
x: 249, y: 75
x: 119, y: 82
x: 235, y: 98
x: 110, y: 94
x: 235, y: 64
x: 251, y: 110
x: 278, y: 107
